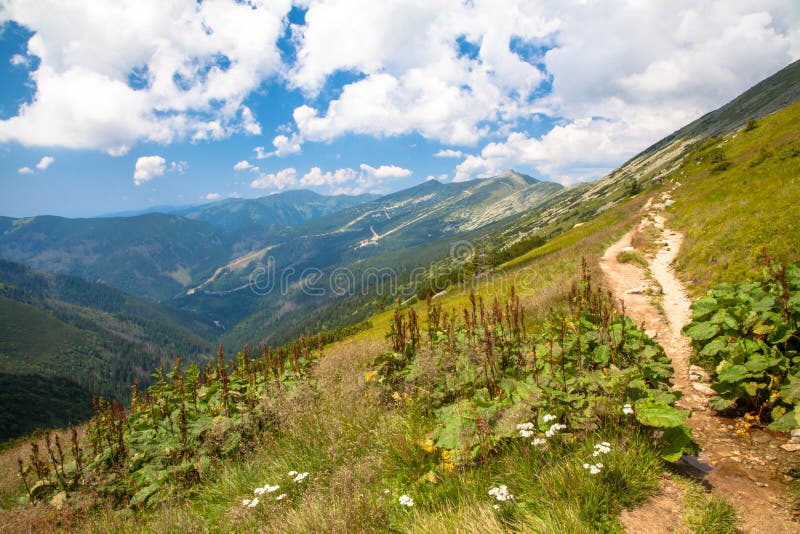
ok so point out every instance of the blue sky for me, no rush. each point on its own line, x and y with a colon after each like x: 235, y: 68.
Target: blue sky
x: 113, y: 106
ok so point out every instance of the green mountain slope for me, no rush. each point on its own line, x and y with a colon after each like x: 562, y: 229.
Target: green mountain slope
x: 152, y: 255
x: 93, y: 339
x: 390, y: 236
x: 286, y: 209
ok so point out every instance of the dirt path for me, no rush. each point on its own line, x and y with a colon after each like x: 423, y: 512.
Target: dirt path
x: 745, y: 466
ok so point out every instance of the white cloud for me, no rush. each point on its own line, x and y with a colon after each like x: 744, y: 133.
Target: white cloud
x: 245, y: 165
x: 448, y: 153
x: 385, y: 171
x: 659, y: 67
x: 45, y: 162
x: 147, y: 168
x: 25, y: 170
x: 143, y: 70
x: 339, y: 181
x: 417, y: 81
x: 623, y: 74
x: 18, y: 60
x: 284, y: 146
x: 277, y: 181
x: 315, y: 177
x: 213, y: 196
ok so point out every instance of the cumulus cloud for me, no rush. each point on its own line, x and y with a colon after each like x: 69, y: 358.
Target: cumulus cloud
x: 245, y: 165
x: 448, y: 153
x: 316, y: 178
x: 339, y: 181
x: 41, y: 166
x: 143, y: 70
x: 279, y: 181
x: 45, y: 162
x: 213, y: 196
x: 659, y: 67
x: 614, y: 75
x: 385, y: 171
x: 454, y: 72
x: 284, y: 146
x: 147, y: 168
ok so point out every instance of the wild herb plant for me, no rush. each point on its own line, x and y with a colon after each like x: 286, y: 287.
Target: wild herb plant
x: 748, y: 334
x: 169, y: 437
x: 484, y: 379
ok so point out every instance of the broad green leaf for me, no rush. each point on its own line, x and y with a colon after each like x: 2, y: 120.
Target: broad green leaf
x: 732, y: 373
x: 720, y: 404
x: 780, y: 333
x: 677, y: 442
x: 788, y: 422
x: 656, y: 414
x: 701, y: 331
x: 764, y: 304
x: 713, y: 348
x: 704, y: 307
x: 751, y: 388
x: 790, y: 392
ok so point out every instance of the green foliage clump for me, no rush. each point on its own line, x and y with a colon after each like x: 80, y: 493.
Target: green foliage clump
x: 171, y: 436
x: 749, y: 334
x: 481, y: 375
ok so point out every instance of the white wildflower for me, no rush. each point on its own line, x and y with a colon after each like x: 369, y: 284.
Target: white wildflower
x: 555, y: 429
x: 538, y: 442
x: 526, y: 430
x: 253, y: 503
x: 260, y: 491
x: 245, y: 502
x: 501, y: 493
x: 549, y: 417
x: 405, y: 500
x: 495, y: 506
x: 593, y: 468
x: 627, y: 409
x: 280, y: 497
x: 271, y: 489
x: 300, y: 477
x: 292, y: 473
x: 386, y: 491
x: 602, y: 448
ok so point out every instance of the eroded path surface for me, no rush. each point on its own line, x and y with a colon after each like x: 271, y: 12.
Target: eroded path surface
x: 748, y: 467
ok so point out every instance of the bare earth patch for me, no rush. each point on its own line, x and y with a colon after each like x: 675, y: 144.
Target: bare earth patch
x: 744, y: 465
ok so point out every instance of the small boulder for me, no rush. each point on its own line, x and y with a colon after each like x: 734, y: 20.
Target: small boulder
x: 791, y: 447
x: 703, y: 388
x: 697, y: 374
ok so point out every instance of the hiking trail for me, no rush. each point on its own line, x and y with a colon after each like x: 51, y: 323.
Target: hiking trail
x: 746, y: 466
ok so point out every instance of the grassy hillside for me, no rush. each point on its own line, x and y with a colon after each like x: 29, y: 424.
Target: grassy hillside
x: 740, y: 196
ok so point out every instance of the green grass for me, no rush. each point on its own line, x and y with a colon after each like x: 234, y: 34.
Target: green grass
x: 631, y: 256
x: 708, y: 513
x: 729, y: 217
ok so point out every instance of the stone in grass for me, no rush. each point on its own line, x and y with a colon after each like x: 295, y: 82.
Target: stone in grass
x: 791, y: 447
